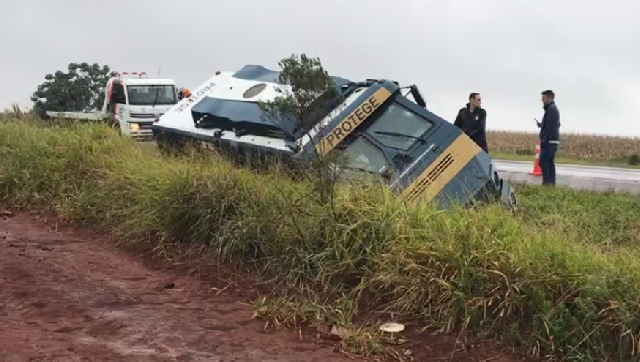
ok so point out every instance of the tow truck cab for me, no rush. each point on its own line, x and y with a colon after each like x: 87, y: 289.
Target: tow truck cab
x: 133, y: 102
x: 420, y: 156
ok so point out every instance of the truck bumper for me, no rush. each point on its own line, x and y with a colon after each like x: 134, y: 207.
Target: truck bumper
x: 142, y: 135
x: 143, y: 132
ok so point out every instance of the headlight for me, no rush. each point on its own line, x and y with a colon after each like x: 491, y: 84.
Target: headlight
x: 134, y: 126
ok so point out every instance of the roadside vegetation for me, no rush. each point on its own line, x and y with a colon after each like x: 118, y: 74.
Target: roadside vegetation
x: 560, y: 277
x: 589, y: 150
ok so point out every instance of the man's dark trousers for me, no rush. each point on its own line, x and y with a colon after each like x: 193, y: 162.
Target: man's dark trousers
x: 548, y: 162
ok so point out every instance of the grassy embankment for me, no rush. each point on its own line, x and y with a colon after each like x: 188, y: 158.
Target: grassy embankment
x: 561, y: 276
x: 575, y: 148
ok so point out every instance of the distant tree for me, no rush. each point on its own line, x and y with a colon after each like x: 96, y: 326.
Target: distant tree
x: 80, y: 89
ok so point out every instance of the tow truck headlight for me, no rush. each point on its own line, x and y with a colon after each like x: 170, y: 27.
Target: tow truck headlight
x: 134, y: 126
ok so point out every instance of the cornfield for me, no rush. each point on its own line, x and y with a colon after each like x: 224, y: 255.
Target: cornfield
x: 573, y: 146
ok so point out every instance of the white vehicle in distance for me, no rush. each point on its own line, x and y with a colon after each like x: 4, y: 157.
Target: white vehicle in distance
x: 132, y: 102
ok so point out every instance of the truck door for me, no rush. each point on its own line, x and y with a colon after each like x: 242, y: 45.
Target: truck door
x: 117, y: 101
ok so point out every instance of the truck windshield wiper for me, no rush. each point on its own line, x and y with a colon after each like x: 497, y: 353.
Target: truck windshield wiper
x: 156, y: 98
x: 394, y: 134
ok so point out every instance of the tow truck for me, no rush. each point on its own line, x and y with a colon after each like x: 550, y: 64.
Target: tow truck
x: 419, y: 155
x: 132, y: 102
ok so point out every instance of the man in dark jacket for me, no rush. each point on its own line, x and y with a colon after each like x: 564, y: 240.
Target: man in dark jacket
x: 549, y: 138
x: 472, y: 120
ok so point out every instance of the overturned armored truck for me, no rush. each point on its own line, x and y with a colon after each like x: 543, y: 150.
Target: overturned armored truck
x: 420, y: 156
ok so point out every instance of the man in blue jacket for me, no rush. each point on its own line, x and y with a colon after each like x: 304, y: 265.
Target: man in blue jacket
x: 549, y: 138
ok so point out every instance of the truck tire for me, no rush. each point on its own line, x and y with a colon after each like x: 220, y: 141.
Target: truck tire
x: 111, y: 122
x: 168, y: 146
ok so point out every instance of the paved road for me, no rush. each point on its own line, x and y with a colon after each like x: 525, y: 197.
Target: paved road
x: 576, y: 176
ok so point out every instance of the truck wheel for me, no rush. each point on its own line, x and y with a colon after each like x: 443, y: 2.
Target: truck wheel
x: 168, y: 146
x: 114, y: 124
x: 514, y: 201
x: 161, y: 141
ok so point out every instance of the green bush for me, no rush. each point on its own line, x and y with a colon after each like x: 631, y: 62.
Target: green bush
x: 562, y: 276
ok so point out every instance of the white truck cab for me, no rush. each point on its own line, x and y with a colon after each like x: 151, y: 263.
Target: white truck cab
x: 132, y: 103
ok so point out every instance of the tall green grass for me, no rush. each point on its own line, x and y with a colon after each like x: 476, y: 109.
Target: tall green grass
x: 561, y: 276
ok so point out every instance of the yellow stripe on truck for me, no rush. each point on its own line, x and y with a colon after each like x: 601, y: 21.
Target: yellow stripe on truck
x: 452, y: 160
x: 351, y: 122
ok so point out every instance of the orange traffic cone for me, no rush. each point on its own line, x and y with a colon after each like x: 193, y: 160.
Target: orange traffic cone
x: 537, y: 171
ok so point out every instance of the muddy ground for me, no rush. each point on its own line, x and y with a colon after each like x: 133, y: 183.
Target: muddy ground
x: 67, y: 295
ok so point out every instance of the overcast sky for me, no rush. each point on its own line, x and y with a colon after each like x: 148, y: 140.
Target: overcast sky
x: 587, y: 51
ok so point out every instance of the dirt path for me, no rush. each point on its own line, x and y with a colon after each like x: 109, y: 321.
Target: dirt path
x: 63, y: 298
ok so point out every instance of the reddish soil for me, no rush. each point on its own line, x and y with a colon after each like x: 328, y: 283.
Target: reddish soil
x: 69, y: 296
